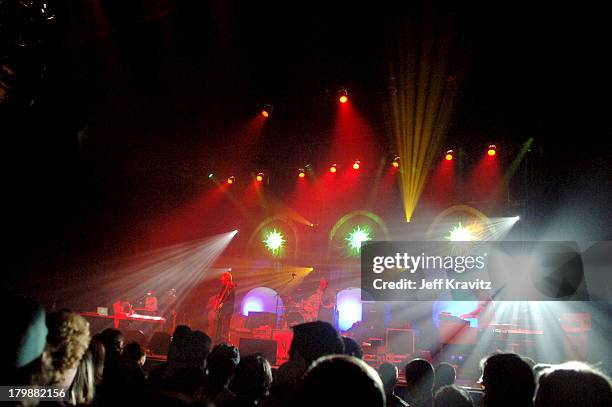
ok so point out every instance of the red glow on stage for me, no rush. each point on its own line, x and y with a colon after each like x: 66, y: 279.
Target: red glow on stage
x: 352, y: 137
x: 484, y: 181
x: 186, y: 223
x: 440, y: 189
x: 356, y: 165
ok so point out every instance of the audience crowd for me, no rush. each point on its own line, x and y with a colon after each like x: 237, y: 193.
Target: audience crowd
x: 324, y: 369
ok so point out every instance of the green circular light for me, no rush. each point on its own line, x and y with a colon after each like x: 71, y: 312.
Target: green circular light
x: 274, y: 241
x: 356, y: 237
x: 460, y: 233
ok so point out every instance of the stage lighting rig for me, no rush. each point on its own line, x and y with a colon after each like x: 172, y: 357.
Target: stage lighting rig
x: 266, y: 110
x: 396, y: 162
x: 492, y: 150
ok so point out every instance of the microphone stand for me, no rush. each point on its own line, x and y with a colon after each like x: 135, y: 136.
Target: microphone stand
x: 277, y: 296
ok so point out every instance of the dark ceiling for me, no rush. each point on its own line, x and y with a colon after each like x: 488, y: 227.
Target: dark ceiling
x: 118, y: 109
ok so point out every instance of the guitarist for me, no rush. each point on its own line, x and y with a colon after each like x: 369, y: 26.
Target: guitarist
x: 223, y: 308
x: 311, y: 306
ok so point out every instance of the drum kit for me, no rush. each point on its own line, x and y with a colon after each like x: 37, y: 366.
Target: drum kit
x: 296, y: 312
x: 306, y: 309
x: 299, y: 312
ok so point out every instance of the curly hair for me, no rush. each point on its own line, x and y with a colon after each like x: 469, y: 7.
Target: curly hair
x: 67, y: 341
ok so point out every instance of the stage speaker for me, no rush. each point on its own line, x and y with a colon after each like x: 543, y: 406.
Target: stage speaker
x: 265, y: 347
x: 160, y: 343
x: 399, y: 341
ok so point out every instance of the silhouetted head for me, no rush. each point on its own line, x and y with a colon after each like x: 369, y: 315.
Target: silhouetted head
x: 340, y: 380
x: 315, y: 339
x: 452, y: 396
x: 135, y: 352
x: 189, y: 348
x: 23, y: 360
x: 507, y: 381
x: 352, y: 348
x: 573, y: 384
x: 445, y: 375
x: 253, y: 378
x: 419, y: 377
x: 222, y: 363
x: 388, y: 375
x: 112, y: 339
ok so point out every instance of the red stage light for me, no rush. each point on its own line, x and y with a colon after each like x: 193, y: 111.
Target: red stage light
x: 230, y: 180
x: 356, y: 165
x: 301, y: 173
x: 333, y: 168
x: 266, y: 110
x: 343, y: 99
x: 396, y: 162
x: 450, y: 154
x: 492, y: 150
x: 259, y: 177
x: 342, y: 96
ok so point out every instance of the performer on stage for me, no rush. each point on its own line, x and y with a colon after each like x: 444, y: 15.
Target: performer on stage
x: 223, y: 308
x: 313, y: 303
x: 170, y: 310
x: 122, y: 307
x: 150, y: 305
